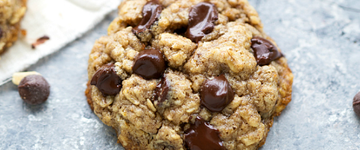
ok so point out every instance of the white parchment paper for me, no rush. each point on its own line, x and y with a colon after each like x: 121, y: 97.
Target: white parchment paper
x: 62, y: 20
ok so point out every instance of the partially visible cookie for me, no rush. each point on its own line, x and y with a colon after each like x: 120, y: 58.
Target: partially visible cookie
x: 188, y: 74
x: 11, y: 13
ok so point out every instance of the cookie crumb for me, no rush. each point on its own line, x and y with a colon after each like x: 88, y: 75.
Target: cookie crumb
x: 40, y: 41
x: 23, y: 32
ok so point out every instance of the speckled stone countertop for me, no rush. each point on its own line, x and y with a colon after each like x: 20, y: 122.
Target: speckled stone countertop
x: 320, y: 38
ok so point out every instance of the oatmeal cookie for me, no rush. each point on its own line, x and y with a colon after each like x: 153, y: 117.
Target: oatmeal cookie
x: 11, y: 13
x: 188, y: 74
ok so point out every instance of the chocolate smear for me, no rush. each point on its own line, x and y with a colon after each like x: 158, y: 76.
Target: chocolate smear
x: 161, y: 91
x: 40, y: 41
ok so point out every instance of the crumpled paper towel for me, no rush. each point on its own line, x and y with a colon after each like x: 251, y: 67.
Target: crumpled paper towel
x: 61, y: 20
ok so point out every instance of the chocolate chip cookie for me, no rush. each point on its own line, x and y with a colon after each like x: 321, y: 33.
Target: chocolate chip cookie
x: 11, y: 12
x: 188, y: 74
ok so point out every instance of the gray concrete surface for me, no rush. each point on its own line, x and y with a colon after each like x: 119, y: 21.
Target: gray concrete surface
x: 320, y: 38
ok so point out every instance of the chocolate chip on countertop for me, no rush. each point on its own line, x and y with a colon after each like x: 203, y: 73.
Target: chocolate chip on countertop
x: 264, y: 51
x: 202, y: 135
x: 34, y: 89
x: 356, y: 104
x: 151, y: 12
x: 149, y: 64
x: 216, y: 93
x: 161, y: 91
x: 202, y: 17
x: 106, y: 80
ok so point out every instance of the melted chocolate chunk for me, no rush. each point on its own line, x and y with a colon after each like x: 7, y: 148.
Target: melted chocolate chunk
x: 149, y: 64
x: 356, y: 104
x: 34, y: 89
x: 202, y: 135
x: 264, y: 51
x: 201, y: 21
x: 216, y: 93
x: 106, y: 80
x: 161, y: 91
x: 151, y: 12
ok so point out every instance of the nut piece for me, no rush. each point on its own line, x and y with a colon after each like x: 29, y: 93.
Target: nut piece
x: 18, y: 76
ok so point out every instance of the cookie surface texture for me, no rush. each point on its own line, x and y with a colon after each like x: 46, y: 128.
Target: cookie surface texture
x: 188, y: 69
x: 11, y: 13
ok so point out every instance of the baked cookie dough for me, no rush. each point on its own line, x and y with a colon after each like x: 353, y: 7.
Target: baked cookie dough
x: 11, y: 13
x: 188, y: 74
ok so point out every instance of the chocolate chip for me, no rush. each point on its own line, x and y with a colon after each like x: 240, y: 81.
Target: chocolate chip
x: 216, y: 93
x: 151, y: 12
x: 202, y: 135
x: 161, y: 91
x: 201, y: 20
x: 356, y: 104
x: 264, y: 51
x: 149, y: 64
x: 34, y: 89
x: 106, y: 80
